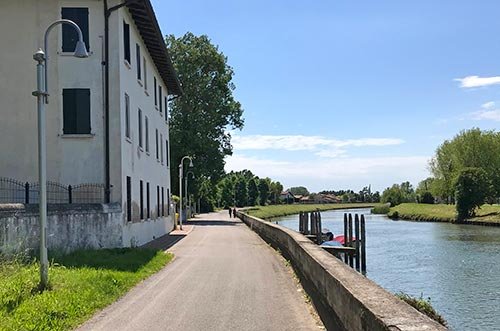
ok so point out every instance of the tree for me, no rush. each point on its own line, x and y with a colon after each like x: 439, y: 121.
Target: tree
x: 472, y: 187
x: 470, y: 148
x: 298, y: 190
x: 201, y: 118
x: 253, y: 192
x: 263, y: 190
x: 241, y: 192
x: 397, y: 194
x: 275, y: 189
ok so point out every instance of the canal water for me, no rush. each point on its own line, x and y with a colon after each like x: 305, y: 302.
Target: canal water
x: 457, y: 266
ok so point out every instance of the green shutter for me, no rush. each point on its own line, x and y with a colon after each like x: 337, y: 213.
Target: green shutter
x: 69, y: 35
x: 83, y: 111
x: 69, y: 111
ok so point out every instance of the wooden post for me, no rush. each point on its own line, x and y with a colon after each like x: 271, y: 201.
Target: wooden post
x: 319, y: 235
x: 356, y: 235
x: 301, y: 222
x: 363, y: 246
x: 346, y: 259
x: 351, y: 258
x: 313, y: 223
x: 306, y: 223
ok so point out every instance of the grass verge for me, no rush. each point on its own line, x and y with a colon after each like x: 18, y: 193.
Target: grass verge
x: 80, y: 284
x: 267, y: 212
x: 442, y: 213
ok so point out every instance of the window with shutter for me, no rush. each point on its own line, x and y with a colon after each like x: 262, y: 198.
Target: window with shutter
x: 76, y: 111
x: 138, y: 61
x: 69, y: 35
x: 159, y: 97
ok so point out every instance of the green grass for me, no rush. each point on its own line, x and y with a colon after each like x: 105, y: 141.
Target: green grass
x: 442, y: 213
x: 80, y: 284
x: 422, y: 305
x: 267, y: 212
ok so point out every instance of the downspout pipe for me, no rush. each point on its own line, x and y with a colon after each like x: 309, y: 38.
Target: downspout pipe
x: 107, y: 14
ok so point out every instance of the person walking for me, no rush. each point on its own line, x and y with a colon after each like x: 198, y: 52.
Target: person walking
x: 230, y: 212
x: 234, y: 212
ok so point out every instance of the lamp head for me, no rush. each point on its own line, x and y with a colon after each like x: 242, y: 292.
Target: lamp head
x: 190, y: 163
x: 80, y: 49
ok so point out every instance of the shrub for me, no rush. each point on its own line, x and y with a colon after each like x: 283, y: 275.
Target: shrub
x: 382, y: 209
x: 472, y: 188
x: 422, y: 305
x: 427, y: 198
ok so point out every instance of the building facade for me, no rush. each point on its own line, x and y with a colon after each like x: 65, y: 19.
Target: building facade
x: 107, y: 116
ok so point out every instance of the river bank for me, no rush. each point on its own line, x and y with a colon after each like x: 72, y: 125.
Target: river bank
x: 267, y: 212
x: 487, y: 215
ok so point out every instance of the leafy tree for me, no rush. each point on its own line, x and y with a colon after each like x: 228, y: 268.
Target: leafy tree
x: 263, y: 190
x: 253, y: 192
x: 470, y: 148
x: 427, y: 197
x: 201, y: 118
x: 472, y: 187
x: 397, y: 194
x: 206, y: 195
x: 241, y: 193
x: 275, y: 190
x: 298, y: 190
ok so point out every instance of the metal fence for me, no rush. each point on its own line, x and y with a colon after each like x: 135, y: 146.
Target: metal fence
x: 14, y: 191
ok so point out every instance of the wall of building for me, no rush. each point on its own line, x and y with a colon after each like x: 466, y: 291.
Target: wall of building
x: 345, y: 299
x: 22, y: 28
x: 69, y: 227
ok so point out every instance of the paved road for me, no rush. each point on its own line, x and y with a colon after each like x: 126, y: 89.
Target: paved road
x: 224, y: 277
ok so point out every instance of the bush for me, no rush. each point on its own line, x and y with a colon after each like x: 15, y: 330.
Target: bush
x: 422, y: 305
x: 427, y: 198
x: 472, y: 188
x: 382, y: 209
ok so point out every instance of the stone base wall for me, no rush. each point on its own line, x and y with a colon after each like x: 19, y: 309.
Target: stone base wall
x: 69, y: 227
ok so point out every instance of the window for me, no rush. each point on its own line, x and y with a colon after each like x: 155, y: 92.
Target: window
x: 146, y: 127
x: 168, y: 202
x: 166, y: 109
x: 166, y: 152
x: 162, y: 201
x: 156, y: 96
x: 145, y: 74
x: 139, y: 126
x: 69, y: 36
x: 157, y: 155
x: 148, y: 205
x: 129, y: 199
x: 76, y: 111
x: 126, y: 41
x: 138, y: 60
x: 141, y: 187
x: 127, y: 116
x: 159, y: 98
x: 161, y: 147
x: 158, y: 201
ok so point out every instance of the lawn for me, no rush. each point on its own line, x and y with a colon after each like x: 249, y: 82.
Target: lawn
x: 267, y: 212
x: 442, y: 213
x: 81, y: 283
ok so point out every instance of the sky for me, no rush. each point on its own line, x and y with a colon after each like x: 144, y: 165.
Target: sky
x: 344, y: 94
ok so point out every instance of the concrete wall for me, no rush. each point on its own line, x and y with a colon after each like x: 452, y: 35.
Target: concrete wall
x: 69, y: 227
x: 345, y: 299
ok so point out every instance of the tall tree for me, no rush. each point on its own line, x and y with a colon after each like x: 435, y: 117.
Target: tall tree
x: 241, y: 192
x: 298, y: 190
x: 201, y: 118
x: 263, y: 190
x: 253, y: 192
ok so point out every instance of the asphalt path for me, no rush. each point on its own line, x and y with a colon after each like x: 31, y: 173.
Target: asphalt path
x: 223, y: 277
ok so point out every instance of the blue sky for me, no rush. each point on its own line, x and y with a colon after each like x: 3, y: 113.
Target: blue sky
x: 342, y: 94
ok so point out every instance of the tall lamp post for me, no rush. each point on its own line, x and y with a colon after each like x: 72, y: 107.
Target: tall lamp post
x: 181, y: 174
x: 41, y: 94
x: 187, y: 194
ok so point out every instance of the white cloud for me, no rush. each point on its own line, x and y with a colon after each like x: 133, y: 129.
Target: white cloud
x: 322, y: 146
x: 339, y: 173
x: 489, y: 115
x: 476, y: 81
x: 488, y: 105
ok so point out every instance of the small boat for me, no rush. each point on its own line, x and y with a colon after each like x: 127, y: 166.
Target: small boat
x: 341, y: 239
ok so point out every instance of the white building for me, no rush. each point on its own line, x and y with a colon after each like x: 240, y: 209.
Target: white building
x: 127, y: 79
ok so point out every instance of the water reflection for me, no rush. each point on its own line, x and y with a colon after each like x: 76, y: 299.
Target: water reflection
x: 457, y: 266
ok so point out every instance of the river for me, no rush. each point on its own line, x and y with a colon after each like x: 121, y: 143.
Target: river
x: 457, y: 266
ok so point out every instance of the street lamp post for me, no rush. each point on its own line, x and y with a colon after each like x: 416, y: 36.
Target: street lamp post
x: 41, y: 94
x: 181, y: 174
x: 187, y: 194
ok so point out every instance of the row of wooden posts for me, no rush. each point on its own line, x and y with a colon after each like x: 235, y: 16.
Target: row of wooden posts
x: 354, y: 250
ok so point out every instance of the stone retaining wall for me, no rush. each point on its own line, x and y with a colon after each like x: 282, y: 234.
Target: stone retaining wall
x: 345, y: 299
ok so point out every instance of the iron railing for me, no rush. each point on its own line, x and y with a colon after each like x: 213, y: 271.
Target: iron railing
x: 14, y: 191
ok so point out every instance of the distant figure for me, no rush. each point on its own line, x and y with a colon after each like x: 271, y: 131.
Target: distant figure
x: 234, y: 212
x: 230, y: 212
x: 329, y: 236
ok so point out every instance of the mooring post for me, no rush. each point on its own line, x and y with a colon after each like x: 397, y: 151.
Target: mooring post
x: 351, y: 258
x: 313, y: 223
x: 319, y: 236
x: 363, y: 246
x: 356, y: 235
x: 301, y: 222
x: 346, y: 257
